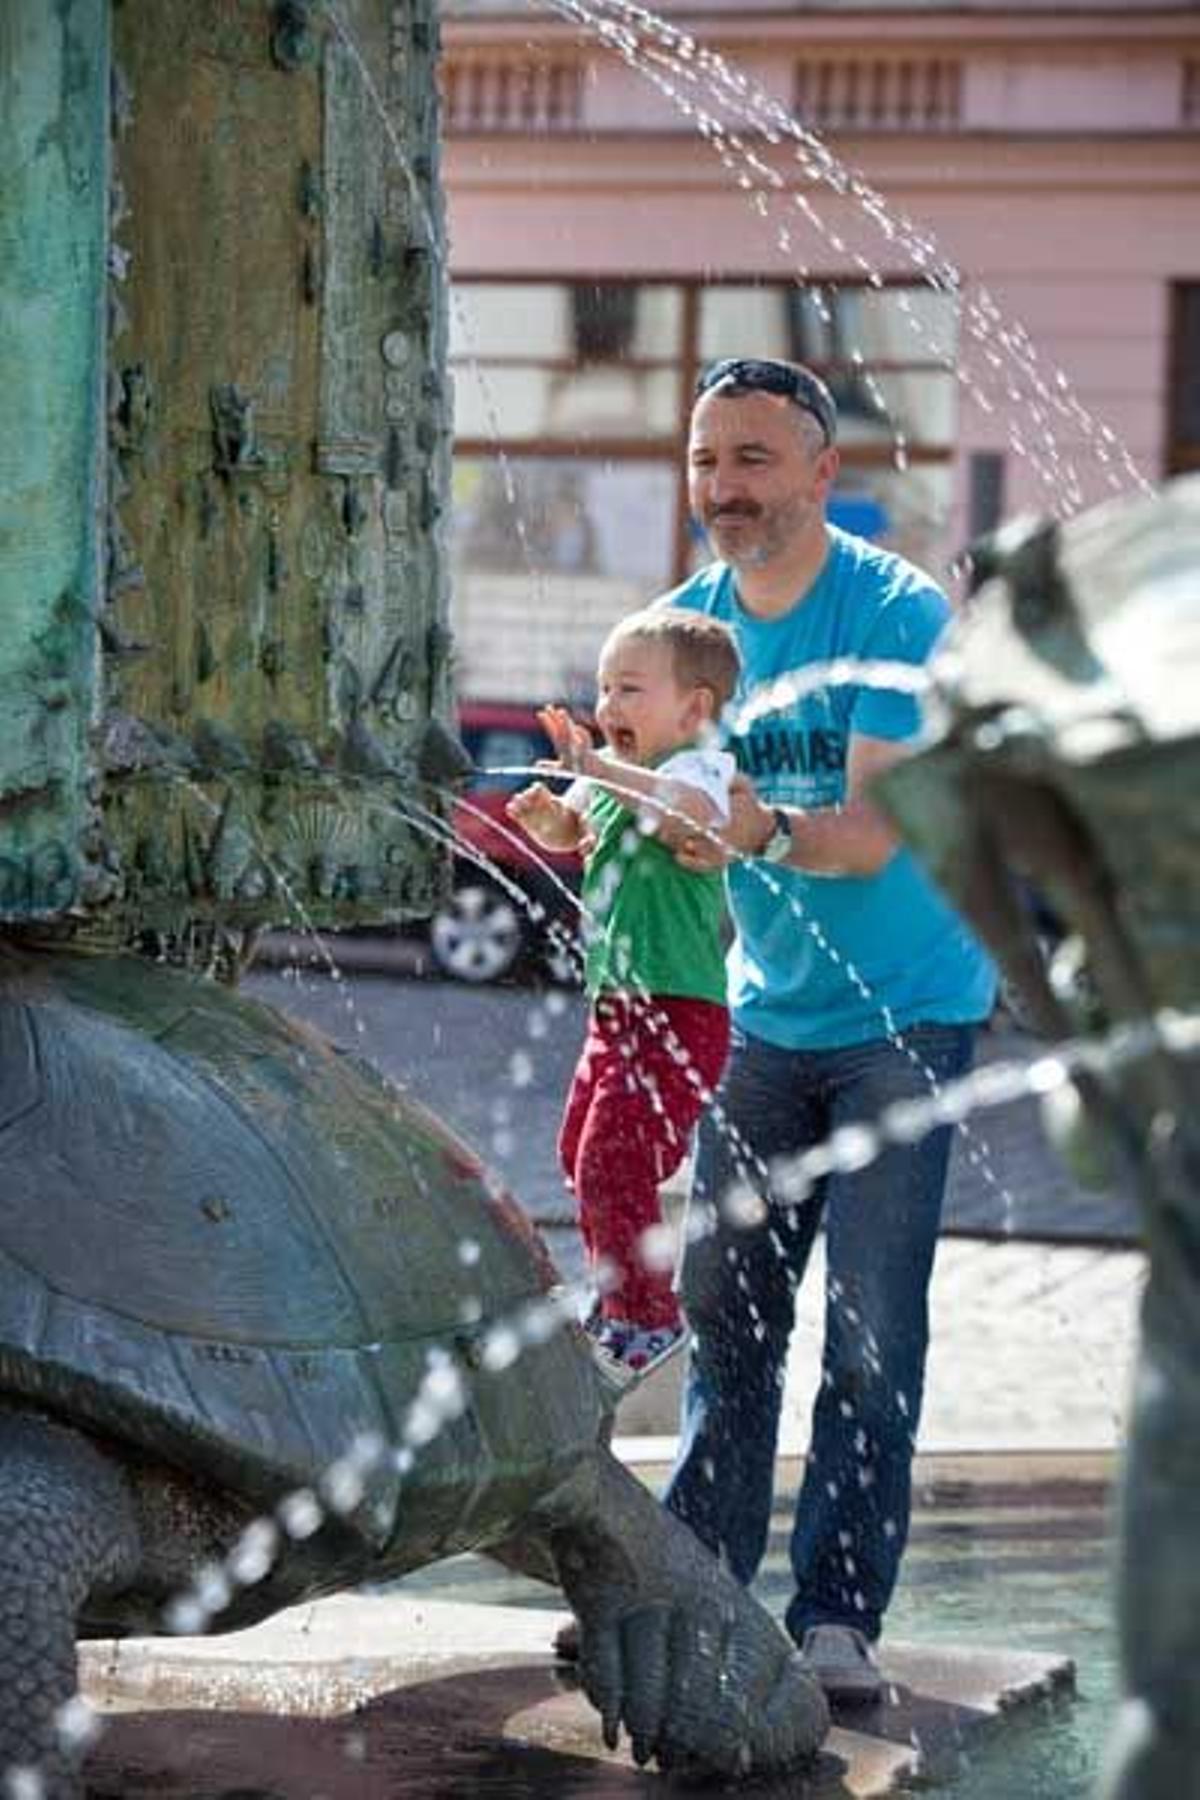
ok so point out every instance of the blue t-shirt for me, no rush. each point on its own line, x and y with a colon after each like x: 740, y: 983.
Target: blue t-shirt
x: 839, y: 959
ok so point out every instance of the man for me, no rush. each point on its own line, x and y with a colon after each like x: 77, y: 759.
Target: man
x: 853, y: 986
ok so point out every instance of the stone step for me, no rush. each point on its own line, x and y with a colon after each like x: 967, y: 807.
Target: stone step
x: 358, y: 1696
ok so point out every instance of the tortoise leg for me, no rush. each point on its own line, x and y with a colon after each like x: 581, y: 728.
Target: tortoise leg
x: 671, y: 1646
x: 66, y: 1530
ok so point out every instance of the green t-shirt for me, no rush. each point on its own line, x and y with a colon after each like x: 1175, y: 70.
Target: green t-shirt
x: 651, y: 926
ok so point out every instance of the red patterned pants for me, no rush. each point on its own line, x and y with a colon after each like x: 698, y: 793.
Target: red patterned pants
x: 647, y: 1070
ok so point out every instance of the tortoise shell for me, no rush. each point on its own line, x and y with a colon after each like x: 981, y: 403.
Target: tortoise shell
x: 230, y: 1246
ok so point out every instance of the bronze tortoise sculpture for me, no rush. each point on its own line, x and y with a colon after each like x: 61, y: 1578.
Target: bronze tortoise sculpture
x: 232, y: 1260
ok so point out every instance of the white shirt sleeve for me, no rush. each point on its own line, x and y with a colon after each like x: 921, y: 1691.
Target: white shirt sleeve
x: 578, y: 795
x: 710, y: 772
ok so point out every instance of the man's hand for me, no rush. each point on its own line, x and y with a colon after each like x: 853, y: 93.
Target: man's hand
x: 852, y: 839
x: 750, y: 825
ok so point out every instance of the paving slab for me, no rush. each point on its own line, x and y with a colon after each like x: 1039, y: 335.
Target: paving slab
x: 1032, y: 1349
x: 357, y: 1697
x: 456, y: 1048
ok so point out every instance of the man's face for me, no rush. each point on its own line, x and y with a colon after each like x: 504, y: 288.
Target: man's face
x: 756, y: 479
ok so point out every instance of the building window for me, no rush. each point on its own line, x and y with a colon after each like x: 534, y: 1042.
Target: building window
x: 886, y: 353
x: 1183, y: 444
x: 605, y: 314
x: 985, y: 489
x: 572, y: 401
x: 821, y: 330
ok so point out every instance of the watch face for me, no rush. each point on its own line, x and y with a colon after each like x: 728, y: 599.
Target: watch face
x: 779, y: 842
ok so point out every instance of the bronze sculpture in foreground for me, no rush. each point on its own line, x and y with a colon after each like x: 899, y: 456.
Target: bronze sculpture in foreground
x: 1066, y: 748
x: 267, y: 1333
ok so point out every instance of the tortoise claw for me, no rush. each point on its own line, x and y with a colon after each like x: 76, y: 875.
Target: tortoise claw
x: 704, y: 1686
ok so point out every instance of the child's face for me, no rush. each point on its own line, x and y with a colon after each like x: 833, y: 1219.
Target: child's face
x: 642, y: 710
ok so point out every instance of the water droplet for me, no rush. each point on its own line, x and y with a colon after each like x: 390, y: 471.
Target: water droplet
x: 254, y: 1553
x: 300, y: 1514
x: 21, y: 1782
x: 656, y: 1249
x: 501, y: 1348
x: 742, y: 1207
x: 78, y: 1725
x: 185, y: 1617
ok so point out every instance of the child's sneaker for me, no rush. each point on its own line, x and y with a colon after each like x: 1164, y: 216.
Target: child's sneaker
x: 609, y: 1338
x: 645, y: 1350
x: 629, y: 1352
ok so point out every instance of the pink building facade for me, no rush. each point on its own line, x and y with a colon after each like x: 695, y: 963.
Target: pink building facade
x: 981, y: 221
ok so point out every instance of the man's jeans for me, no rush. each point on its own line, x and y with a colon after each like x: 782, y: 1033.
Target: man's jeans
x: 740, y: 1276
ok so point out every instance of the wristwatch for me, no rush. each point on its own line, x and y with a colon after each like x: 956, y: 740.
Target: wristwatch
x: 778, y: 846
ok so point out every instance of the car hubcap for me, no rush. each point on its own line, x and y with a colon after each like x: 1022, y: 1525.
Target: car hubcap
x: 477, y: 935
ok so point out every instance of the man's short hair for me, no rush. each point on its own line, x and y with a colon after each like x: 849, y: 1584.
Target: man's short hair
x: 703, y: 650
x: 770, y: 375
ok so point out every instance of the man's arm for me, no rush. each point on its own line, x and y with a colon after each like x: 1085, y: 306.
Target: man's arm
x: 852, y: 839
x: 673, y: 808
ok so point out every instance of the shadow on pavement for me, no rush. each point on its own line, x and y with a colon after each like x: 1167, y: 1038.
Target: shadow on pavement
x: 512, y: 1733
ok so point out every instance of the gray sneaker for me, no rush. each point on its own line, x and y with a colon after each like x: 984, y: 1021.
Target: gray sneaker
x: 566, y: 1642
x: 840, y: 1657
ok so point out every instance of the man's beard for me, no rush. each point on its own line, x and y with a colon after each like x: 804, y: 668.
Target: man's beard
x: 774, y: 528
x: 743, y: 556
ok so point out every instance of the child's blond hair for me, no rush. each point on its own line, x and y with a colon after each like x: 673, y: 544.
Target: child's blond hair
x: 702, y: 649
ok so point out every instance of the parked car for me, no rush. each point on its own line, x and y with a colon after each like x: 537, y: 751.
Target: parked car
x: 483, y: 932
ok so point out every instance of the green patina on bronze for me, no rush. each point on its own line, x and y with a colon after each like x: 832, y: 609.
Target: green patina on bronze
x: 53, y: 201
x: 221, y: 727
x: 1066, y: 748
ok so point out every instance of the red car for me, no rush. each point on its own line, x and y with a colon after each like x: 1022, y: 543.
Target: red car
x: 485, y: 932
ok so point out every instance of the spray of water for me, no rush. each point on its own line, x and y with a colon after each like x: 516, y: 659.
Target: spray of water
x: 702, y: 86
x: 441, y: 1395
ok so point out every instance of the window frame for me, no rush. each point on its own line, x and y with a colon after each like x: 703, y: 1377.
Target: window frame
x: 669, y: 448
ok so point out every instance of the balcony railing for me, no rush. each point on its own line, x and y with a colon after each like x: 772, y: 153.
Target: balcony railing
x: 527, y: 92
x: 878, y: 94
x: 512, y: 94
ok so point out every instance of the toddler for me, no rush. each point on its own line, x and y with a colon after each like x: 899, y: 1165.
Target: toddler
x: 658, y: 1028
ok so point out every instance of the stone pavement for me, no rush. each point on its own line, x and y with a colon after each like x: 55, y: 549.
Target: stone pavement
x: 359, y: 1697
x: 1036, y: 1286
x: 1032, y: 1350
x: 484, y: 1057
x: 1005, y: 1179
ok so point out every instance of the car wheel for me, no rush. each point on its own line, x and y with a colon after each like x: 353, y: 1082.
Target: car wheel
x: 480, y: 933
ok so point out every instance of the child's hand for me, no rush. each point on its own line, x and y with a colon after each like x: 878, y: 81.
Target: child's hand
x: 540, y: 813
x: 532, y: 804
x: 572, y: 741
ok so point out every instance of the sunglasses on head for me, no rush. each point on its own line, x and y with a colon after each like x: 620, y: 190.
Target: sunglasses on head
x: 761, y: 375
